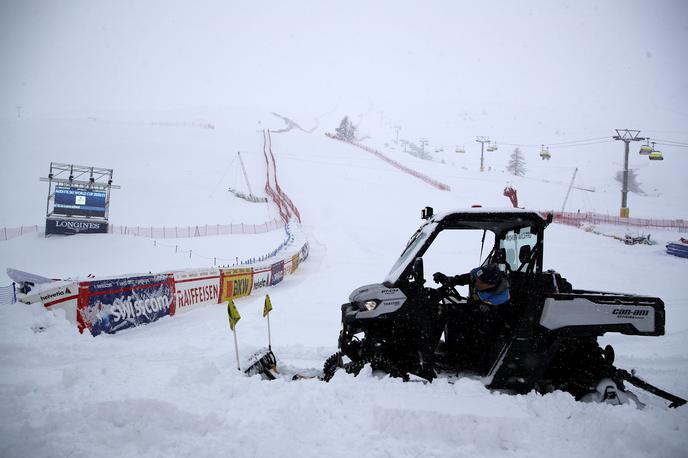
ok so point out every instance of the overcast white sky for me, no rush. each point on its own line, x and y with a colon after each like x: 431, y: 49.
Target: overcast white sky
x: 575, y: 65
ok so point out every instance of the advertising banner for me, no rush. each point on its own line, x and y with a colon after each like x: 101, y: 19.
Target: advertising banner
x: 294, y: 263
x: 69, y: 226
x: 79, y: 202
x: 236, y: 282
x: 62, y: 295
x: 108, y: 306
x: 276, y: 272
x: 261, y: 277
x: 304, y: 251
x: 196, y: 288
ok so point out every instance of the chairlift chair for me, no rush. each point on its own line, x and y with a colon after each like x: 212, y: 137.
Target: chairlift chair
x: 645, y: 149
x: 655, y: 155
x: 544, y: 153
x: 460, y: 149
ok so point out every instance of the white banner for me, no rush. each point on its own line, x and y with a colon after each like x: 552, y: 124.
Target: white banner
x: 261, y: 277
x: 196, y: 288
x: 56, y: 295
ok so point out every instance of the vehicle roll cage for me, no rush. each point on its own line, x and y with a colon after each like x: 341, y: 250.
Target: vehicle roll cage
x: 498, y: 222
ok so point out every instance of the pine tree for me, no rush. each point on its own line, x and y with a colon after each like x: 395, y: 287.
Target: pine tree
x: 517, y: 164
x: 346, y: 130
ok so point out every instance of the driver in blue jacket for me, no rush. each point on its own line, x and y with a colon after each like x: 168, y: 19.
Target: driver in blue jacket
x: 487, y: 284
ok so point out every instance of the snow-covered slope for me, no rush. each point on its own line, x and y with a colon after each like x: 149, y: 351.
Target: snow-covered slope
x: 171, y: 388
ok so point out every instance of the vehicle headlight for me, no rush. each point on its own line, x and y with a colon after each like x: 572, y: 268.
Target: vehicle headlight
x: 369, y: 305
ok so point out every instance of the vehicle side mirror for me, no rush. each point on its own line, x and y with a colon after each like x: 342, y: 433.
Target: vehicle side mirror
x: 524, y: 254
x: 417, y: 267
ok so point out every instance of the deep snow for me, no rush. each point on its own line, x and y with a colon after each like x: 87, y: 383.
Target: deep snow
x: 171, y: 388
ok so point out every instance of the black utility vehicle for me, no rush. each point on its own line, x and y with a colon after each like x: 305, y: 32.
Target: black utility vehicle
x: 544, y: 338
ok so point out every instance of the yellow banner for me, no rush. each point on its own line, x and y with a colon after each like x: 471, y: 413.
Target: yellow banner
x: 294, y: 263
x: 235, y: 283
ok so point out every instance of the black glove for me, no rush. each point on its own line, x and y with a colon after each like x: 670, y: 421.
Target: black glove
x: 439, y: 277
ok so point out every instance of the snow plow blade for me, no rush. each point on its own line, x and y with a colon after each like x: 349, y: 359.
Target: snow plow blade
x: 642, y: 384
x: 263, y: 362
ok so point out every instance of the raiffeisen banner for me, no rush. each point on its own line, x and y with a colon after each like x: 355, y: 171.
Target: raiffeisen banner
x: 108, y: 306
x: 196, y: 288
x: 236, y: 282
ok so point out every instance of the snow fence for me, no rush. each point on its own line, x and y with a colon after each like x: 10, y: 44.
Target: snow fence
x: 431, y: 181
x: 110, y: 305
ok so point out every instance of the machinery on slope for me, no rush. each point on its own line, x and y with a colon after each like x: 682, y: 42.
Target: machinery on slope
x: 543, y: 339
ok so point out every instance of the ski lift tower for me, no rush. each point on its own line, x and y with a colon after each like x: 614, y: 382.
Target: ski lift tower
x: 78, y: 199
x: 627, y: 136
x: 482, y: 141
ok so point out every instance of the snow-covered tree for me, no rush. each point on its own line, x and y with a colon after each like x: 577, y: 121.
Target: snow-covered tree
x: 517, y: 164
x: 346, y: 130
x: 633, y: 184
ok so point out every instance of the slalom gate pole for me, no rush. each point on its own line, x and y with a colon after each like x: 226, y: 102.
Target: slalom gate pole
x: 236, y: 349
x: 269, y: 336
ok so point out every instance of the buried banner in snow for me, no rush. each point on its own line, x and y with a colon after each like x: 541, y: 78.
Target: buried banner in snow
x: 108, y: 306
x: 679, y: 248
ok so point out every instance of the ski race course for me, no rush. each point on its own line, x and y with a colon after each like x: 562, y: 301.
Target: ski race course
x: 172, y: 388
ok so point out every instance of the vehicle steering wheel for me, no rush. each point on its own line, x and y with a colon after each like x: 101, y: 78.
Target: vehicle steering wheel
x: 449, y: 290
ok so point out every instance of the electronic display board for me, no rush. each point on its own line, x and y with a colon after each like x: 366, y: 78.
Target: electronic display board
x: 79, y: 202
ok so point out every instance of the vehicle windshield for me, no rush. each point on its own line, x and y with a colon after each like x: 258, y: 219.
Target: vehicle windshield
x: 412, y: 248
x: 512, y: 243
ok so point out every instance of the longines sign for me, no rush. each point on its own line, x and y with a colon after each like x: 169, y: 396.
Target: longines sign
x: 70, y: 226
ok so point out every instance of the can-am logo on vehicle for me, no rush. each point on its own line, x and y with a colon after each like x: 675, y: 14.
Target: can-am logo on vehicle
x: 627, y: 313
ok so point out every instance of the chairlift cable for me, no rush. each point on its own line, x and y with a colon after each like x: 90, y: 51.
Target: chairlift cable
x: 525, y: 145
x: 674, y: 145
x: 582, y: 144
x: 669, y: 141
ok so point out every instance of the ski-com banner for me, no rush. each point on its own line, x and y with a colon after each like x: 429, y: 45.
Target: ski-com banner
x: 235, y: 283
x: 62, y: 226
x: 276, y: 272
x: 196, y: 288
x: 80, y: 202
x: 261, y: 277
x: 108, y: 306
